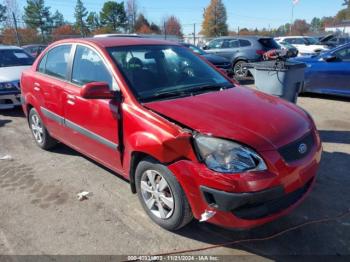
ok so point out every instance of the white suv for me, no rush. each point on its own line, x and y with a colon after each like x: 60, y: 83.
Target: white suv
x: 13, y: 60
x: 306, y: 45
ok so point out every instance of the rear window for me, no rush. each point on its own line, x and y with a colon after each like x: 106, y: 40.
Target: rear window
x: 244, y: 43
x: 14, y: 57
x: 268, y: 43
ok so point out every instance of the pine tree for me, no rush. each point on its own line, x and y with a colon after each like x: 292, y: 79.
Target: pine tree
x: 93, y: 21
x: 113, y: 16
x: 57, y: 19
x: 215, y: 19
x: 2, y: 13
x: 80, y: 14
x: 37, y: 16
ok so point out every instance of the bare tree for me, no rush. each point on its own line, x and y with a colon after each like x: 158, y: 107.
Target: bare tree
x: 12, y: 8
x: 131, y: 13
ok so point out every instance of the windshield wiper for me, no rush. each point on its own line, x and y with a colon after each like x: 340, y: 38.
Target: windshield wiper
x: 186, y: 92
x: 209, y: 87
x: 166, y: 95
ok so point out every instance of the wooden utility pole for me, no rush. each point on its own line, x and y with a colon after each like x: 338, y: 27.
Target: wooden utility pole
x: 16, y: 29
x: 194, y: 34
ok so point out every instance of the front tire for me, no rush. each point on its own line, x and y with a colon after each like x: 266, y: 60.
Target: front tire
x: 40, y: 134
x: 161, y: 195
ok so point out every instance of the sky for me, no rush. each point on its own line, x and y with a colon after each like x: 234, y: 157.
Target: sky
x: 241, y: 13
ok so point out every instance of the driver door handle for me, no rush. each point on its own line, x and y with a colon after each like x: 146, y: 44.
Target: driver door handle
x: 71, y: 100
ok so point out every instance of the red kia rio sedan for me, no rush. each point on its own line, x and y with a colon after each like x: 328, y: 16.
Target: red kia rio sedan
x: 191, y: 142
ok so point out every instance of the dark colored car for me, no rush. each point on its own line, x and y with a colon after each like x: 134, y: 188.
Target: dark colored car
x: 334, y: 40
x: 218, y: 61
x: 34, y: 50
x: 191, y: 142
x: 328, y: 72
x: 240, y: 50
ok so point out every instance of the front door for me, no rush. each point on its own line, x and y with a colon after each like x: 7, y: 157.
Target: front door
x: 91, y: 125
x: 335, y: 75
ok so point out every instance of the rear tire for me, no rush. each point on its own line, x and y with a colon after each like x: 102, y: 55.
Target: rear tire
x: 40, y: 134
x: 161, y: 195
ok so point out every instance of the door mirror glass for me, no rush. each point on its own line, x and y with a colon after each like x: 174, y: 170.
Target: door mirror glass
x: 96, y: 90
x: 330, y: 58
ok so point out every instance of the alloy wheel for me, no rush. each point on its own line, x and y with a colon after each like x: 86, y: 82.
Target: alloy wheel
x: 37, y: 128
x: 157, y: 194
x: 239, y: 70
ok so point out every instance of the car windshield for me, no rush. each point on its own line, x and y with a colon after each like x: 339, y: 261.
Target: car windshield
x: 14, y: 57
x: 311, y: 41
x: 157, y: 72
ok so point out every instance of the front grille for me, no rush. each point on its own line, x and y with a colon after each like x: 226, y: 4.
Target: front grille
x: 256, y: 211
x: 298, y: 149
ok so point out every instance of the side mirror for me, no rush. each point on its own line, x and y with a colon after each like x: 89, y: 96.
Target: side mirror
x: 205, y: 47
x: 97, y: 90
x: 330, y: 58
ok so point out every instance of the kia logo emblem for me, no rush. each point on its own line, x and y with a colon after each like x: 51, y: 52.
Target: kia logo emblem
x: 302, y: 148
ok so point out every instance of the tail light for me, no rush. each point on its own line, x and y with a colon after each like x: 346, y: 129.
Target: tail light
x: 260, y: 52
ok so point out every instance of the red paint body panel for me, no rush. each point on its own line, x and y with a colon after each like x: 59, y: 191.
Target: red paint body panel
x: 260, y: 121
x: 240, y: 114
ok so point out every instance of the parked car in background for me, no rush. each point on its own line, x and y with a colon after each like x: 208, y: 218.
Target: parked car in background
x: 240, y: 50
x: 191, y: 143
x: 34, y: 50
x: 218, y: 61
x: 305, y: 45
x: 13, y: 60
x: 328, y: 72
x: 334, y: 40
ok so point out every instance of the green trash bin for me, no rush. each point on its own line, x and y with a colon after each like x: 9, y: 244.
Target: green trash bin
x: 279, y: 78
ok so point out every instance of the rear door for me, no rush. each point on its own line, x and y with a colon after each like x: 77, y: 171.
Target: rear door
x: 91, y: 125
x: 50, y: 79
x: 334, y: 77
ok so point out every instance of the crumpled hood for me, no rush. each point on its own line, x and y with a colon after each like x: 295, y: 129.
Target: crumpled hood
x: 12, y: 73
x: 241, y: 114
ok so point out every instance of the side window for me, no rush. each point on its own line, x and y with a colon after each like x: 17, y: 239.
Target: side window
x: 215, y: 44
x: 289, y: 40
x: 344, y: 54
x: 42, y: 64
x: 57, y: 61
x: 231, y: 43
x: 88, y: 67
x: 244, y: 43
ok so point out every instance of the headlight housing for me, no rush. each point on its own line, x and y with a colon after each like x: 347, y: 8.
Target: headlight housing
x: 225, y: 156
x: 8, y: 85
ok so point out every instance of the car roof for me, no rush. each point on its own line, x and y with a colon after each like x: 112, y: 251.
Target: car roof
x: 297, y: 36
x: 116, y: 41
x: 243, y: 37
x: 7, y: 47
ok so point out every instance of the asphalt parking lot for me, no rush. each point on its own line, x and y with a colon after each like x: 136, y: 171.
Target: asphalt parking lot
x: 40, y: 213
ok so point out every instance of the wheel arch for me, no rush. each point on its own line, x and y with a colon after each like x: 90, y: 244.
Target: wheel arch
x: 135, y: 159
